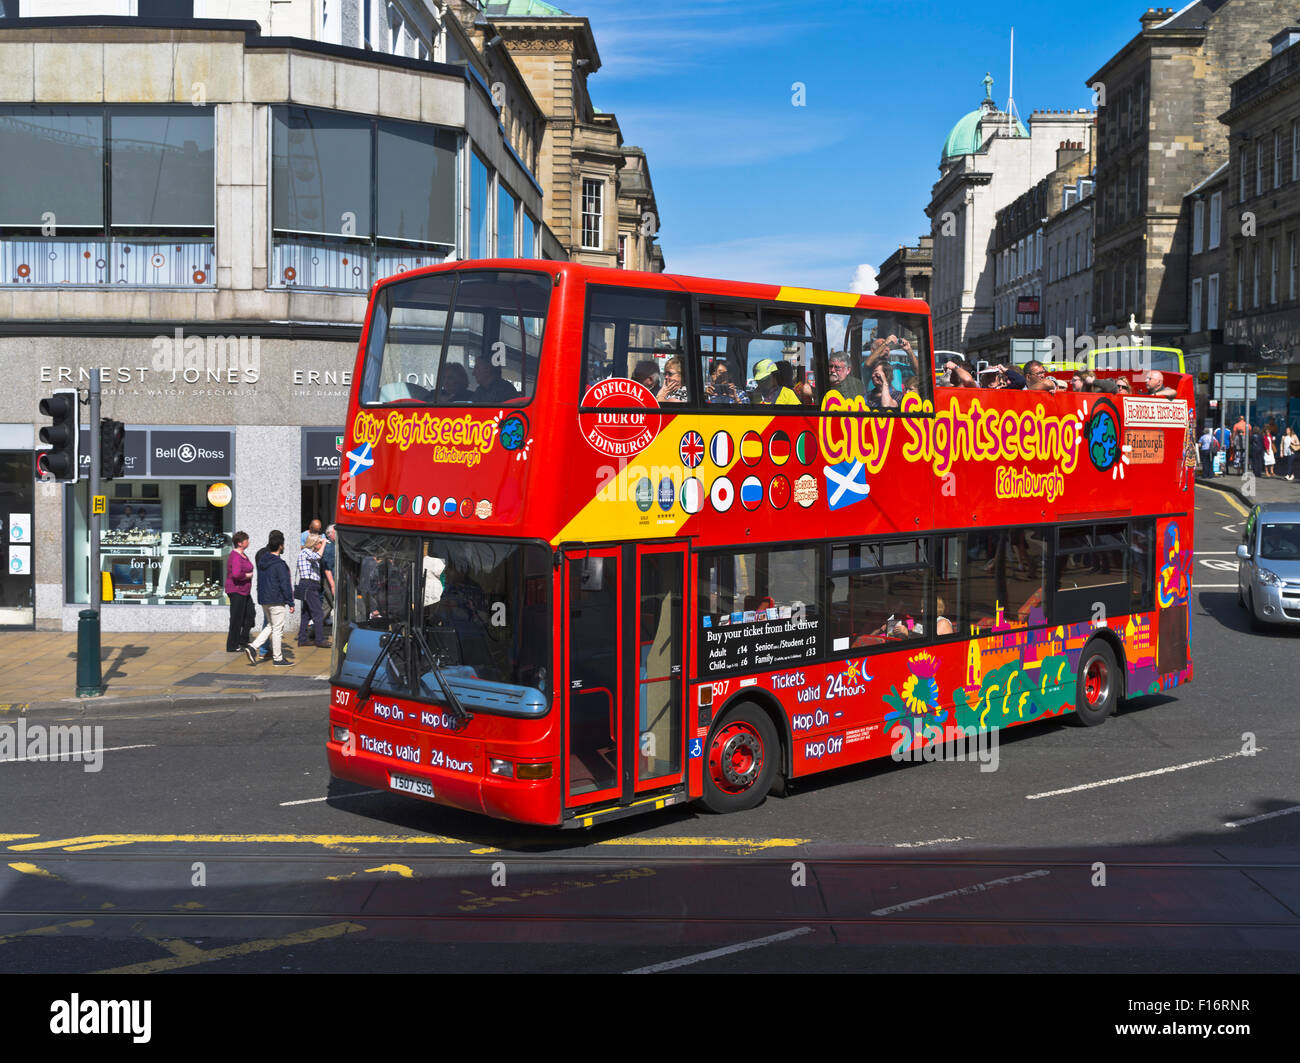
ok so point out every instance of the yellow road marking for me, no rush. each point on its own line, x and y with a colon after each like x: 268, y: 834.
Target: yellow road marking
x: 397, y: 869
x: 187, y: 906
x: 32, y: 869
x: 41, y: 931
x: 20, y: 706
x: 177, y: 947
x: 344, y: 841
x: 192, y: 955
x: 16, y: 837
x: 1218, y: 514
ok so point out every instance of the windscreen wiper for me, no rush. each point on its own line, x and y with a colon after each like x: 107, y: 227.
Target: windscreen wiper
x: 458, y: 710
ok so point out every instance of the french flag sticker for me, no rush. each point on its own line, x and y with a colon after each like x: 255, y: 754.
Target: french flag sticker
x: 722, y: 450
x: 692, y: 495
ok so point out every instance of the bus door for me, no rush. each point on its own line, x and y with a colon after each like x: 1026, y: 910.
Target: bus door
x: 624, y: 690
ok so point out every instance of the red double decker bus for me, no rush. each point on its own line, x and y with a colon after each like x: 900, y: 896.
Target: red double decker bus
x: 611, y: 541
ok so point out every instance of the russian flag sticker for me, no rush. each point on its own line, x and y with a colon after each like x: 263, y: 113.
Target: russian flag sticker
x: 751, y: 448
x: 692, y: 495
x: 751, y: 492
x: 450, y: 506
x: 722, y: 494
x: 722, y: 450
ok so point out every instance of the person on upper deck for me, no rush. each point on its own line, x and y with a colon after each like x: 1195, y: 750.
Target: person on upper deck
x: 1155, y: 384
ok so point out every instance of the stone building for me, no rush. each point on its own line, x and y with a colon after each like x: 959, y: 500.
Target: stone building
x: 1207, y: 268
x: 906, y: 273
x: 600, y: 202
x: 1023, y: 262
x: 1158, y: 134
x: 214, y: 278
x: 988, y: 159
x: 1261, y: 330
x: 1067, y: 286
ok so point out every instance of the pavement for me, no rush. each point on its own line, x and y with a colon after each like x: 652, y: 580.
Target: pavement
x: 1267, y: 489
x: 149, y: 670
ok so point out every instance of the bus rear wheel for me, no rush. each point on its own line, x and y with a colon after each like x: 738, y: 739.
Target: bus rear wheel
x: 1097, y: 689
x: 740, y: 760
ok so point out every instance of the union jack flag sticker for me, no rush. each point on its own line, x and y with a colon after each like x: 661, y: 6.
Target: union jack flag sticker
x: 692, y: 449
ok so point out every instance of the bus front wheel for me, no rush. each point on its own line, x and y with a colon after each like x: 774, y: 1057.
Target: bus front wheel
x: 1097, y: 690
x: 740, y: 760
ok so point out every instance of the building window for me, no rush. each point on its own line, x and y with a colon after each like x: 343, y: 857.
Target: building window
x: 1257, y: 266
x: 1272, y: 270
x: 1212, y: 302
x: 354, y: 199
x: 1295, y: 150
x: 1216, y: 219
x: 1241, y: 176
x: 1277, y: 160
x: 1241, y: 281
x: 528, y: 240
x: 1259, y: 167
x: 1291, y: 266
x: 116, y: 195
x: 1195, y: 325
x: 1198, y: 226
x: 480, y: 180
x: 593, y: 209
x: 507, y: 210
x: 622, y: 250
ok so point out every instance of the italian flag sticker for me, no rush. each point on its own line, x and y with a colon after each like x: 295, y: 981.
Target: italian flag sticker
x: 692, y: 495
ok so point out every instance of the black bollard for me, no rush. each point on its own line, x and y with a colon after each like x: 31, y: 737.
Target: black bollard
x: 90, y: 682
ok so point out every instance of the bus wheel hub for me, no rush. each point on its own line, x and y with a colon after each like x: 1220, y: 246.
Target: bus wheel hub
x: 736, y: 757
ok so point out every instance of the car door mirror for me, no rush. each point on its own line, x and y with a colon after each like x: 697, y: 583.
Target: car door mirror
x: 1243, y: 553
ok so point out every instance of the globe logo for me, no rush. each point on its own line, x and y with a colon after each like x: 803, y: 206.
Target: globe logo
x: 1102, y: 438
x: 513, y: 431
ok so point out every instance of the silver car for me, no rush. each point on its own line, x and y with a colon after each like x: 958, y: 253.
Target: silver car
x: 1268, y: 565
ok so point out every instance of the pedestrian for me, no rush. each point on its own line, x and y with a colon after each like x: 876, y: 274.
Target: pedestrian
x: 1256, y: 446
x: 276, y: 594
x: 1290, y: 447
x: 328, y: 564
x: 1270, y: 452
x: 1207, y: 446
x: 308, y: 591
x: 239, y: 589
x: 313, y: 528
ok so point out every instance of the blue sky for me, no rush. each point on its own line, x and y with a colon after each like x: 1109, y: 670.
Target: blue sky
x: 751, y: 187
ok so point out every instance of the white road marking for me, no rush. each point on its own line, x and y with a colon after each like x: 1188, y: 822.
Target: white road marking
x: 317, y: 800
x: 979, y: 887
x: 932, y: 841
x: 1214, y: 586
x: 1266, y: 815
x: 81, y: 755
x: 1143, y: 774
x: 727, y: 951
x: 1199, y: 552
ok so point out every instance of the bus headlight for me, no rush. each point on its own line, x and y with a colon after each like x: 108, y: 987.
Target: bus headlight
x: 504, y: 768
x: 339, y: 734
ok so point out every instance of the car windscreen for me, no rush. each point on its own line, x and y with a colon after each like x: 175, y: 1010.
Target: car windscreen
x: 1279, y: 542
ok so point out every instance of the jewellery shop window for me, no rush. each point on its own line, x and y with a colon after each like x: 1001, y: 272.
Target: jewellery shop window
x: 166, y: 543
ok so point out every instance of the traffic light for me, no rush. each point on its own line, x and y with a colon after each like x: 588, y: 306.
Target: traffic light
x: 61, y: 461
x: 112, y: 449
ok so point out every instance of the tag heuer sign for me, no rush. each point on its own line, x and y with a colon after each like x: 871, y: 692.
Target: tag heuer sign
x: 322, y: 451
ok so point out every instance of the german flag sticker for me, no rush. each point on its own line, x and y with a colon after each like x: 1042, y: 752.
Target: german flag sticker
x: 751, y: 448
x: 805, y: 448
x: 778, y: 448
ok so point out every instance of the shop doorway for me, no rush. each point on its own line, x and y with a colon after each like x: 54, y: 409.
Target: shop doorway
x: 17, y: 503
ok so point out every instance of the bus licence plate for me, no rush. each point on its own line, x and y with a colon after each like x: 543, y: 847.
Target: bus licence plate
x: 411, y: 786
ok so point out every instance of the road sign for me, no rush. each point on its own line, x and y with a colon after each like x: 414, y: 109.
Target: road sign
x: 99, y: 504
x: 1237, y: 387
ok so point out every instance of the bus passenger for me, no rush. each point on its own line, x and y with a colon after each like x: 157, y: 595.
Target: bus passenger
x: 493, y: 388
x: 1038, y: 378
x: 455, y: 384
x: 674, y: 388
x: 646, y: 373
x: 841, y: 379
x: 768, y: 390
x: 721, y: 389
x: 1155, y: 384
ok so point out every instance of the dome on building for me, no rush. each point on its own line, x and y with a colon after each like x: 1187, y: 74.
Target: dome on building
x: 967, y: 136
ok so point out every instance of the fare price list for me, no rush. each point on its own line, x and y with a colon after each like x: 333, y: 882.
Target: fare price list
x: 756, y: 644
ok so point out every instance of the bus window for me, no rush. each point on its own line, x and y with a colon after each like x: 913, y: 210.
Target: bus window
x: 488, y: 356
x: 637, y: 335
x: 880, y: 593
x: 1003, y: 580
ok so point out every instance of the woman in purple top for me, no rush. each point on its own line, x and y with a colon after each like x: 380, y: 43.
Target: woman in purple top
x: 239, y: 589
